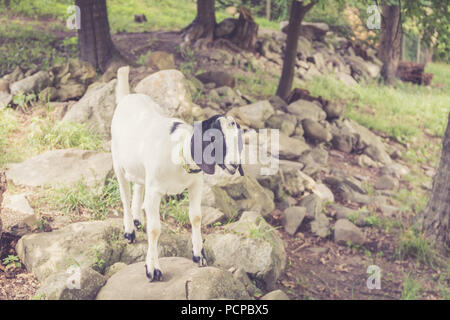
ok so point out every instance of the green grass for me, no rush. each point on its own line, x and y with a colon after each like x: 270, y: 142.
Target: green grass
x: 8, y: 125
x: 412, y: 289
x: 176, y: 208
x: 413, y: 244
x: 81, y: 199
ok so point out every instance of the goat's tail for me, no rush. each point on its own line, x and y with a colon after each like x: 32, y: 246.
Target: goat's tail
x: 123, y: 87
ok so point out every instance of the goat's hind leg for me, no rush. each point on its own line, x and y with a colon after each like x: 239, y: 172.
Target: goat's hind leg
x: 125, y: 196
x: 136, y: 205
x: 195, y: 217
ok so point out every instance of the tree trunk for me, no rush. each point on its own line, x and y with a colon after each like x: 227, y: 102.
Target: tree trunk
x: 389, y: 48
x: 268, y: 9
x: 2, y: 190
x: 94, y: 40
x: 246, y: 32
x: 298, y: 11
x: 436, y: 216
x: 418, y: 49
x: 204, y: 23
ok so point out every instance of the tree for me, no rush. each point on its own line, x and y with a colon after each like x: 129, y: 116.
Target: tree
x: 390, y: 40
x: 204, y: 23
x: 94, y: 40
x: 436, y: 216
x: 298, y: 12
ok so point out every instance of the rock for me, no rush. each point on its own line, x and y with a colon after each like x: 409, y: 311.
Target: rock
x: 395, y: 170
x: 34, y: 83
x: 74, y: 71
x: 220, y: 78
x: 140, y: 18
x: 225, y: 97
x: 315, y: 131
x: 366, y: 161
x: 116, y: 267
x: 320, y: 226
x: 70, y: 92
x: 160, y: 60
x: 334, y: 110
x: 225, y: 28
x: 304, y: 47
x: 95, y: 109
x: 48, y: 94
x: 253, y: 245
x: 358, y: 217
x: 14, y: 76
x: 5, y: 99
x: 386, y: 182
x: 275, y: 295
x: 346, y: 79
x: 182, y: 280
x: 312, y: 31
x: 313, y: 205
x: 293, y: 218
x: 211, y: 216
x: 345, y: 232
x: 389, y: 211
x: 168, y: 88
x: 62, y: 167
x: 253, y: 115
x: 24, y: 213
x: 363, y: 68
x: 248, y: 194
x: 291, y: 148
x: 304, y: 109
x: 74, y: 284
x: 216, y: 197
x: 4, y: 85
x: 286, y: 123
x: 241, y: 276
x: 323, y: 192
x: 311, y: 165
x: 277, y: 103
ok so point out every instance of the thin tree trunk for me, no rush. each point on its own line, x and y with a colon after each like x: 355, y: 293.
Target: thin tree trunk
x: 418, y: 49
x: 268, y: 9
x: 298, y: 12
x: 436, y: 216
x: 389, y: 48
x: 2, y: 190
x: 246, y: 31
x: 94, y: 40
x: 204, y: 23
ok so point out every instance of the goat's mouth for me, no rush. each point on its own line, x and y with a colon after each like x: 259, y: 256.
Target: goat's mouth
x: 230, y: 168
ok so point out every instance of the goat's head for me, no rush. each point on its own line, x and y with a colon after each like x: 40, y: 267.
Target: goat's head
x: 217, y: 141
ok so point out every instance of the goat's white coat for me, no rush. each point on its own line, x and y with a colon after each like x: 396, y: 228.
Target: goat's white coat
x: 143, y: 153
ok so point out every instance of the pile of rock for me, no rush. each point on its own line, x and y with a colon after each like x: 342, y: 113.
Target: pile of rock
x: 320, y: 51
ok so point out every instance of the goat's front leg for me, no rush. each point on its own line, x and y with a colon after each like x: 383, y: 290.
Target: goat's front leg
x: 195, y: 216
x: 151, y: 207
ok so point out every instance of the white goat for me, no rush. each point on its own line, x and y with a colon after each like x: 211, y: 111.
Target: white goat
x: 163, y: 155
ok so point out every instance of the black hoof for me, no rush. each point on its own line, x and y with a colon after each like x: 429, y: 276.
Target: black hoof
x: 156, y: 276
x: 131, y: 237
x: 137, y: 223
x: 200, y: 260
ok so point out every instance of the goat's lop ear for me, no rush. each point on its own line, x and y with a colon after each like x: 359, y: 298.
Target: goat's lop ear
x: 197, y: 138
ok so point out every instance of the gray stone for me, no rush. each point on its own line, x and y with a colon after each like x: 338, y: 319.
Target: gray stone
x: 95, y: 109
x: 253, y: 245
x: 225, y: 27
x: 70, y: 91
x: 74, y: 284
x: 34, y: 83
x: 320, y: 226
x: 315, y: 131
x: 346, y: 78
x: 211, y: 216
x: 313, y: 205
x: 160, y: 60
x: 169, y: 89
x: 278, y: 103
x: 225, y: 97
x: 291, y: 148
x: 286, y: 123
x: 253, y: 115
x: 5, y: 99
x: 334, y: 110
x: 346, y: 232
x: 241, y: 275
x: 275, y: 295
x: 116, y: 267
x: 62, y: 167
x: 182, y: 280
x: 22, y: 211
x: 386, y: 182
x: 220, y: 78
x: 293, y: 218
x: 304, y: 109
x: 216, y: 197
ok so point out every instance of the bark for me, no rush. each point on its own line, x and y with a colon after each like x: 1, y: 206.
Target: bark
x: 413, y: 72
x: 94, y: 40
x: 436, y: 216
x: 298, y: 11
x: 246, y: 32
x: 204, y: 23
x: 389, y: 47
x: 2, y: 190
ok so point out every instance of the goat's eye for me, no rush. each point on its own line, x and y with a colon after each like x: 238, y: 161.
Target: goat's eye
x: 233, y: 123
x: 213, y: 139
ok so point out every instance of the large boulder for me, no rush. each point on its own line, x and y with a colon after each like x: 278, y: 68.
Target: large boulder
x: 96, y: 108
x: 346, y: 232
x: 169, y: 89
x: 93, y: 244
x: 182, y: 280
x: 216, y: 197
x: 253, y: 115
x: 362, y: 68
x: 252, y: 245
x: 62, y: 167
